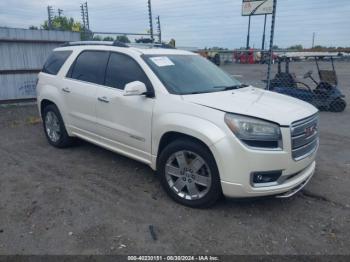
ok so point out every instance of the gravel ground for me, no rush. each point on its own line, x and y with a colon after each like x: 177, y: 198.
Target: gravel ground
x: 87, y: 200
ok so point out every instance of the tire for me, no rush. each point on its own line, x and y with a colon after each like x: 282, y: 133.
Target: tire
x: 338, y: 105
x: 200, y: 188
x: 56, y: 125
x: 217, y: 60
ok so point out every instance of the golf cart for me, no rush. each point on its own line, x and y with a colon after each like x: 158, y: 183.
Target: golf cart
x: 325, y: 96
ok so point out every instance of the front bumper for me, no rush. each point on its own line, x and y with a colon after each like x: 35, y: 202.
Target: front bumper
x: 236, y: 162
x: 283, y: 191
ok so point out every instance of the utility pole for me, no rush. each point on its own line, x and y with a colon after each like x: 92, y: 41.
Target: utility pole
x: 159, y: 30
x: 60, y: 11
x: 87, y: 16
x: 150, y: 20
x: 248, y: 36
x: 85, y: 19
x: 271, y: 43
x: 313, y: 39
x: 49, y: 16
x: 263, y: 39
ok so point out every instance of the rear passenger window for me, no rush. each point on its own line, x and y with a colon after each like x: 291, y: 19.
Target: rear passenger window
x: 122, y: 70
x: 90, y: 66
x: 55, y: 62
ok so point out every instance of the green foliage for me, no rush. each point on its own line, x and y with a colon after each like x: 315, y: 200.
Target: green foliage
x: 63, y: 23
x: 144, y: 40
x: 120, y: 38
x: 319, y: 46
x: 123, y: 39
x: 97, y: 38
x: 217, y: 48
x: 296, y: 47
x: 108, y: 38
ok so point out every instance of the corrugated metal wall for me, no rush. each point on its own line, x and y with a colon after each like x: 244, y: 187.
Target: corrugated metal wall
x: 22, y: 55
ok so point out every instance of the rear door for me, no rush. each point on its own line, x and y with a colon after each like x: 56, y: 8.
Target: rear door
x: 125, y: 121
x: 86, y: 73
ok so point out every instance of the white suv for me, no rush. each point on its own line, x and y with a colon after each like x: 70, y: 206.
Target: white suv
x: 202, y: 131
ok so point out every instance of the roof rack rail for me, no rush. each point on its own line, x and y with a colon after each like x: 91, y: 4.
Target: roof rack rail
x: 152, y: 45
x: 108, y: 43
x: 119, y: 44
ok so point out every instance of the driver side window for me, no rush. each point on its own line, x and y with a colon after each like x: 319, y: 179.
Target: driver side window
x: 122, y: 69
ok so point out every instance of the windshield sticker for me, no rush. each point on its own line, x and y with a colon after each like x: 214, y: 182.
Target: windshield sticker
x: 162, y: 61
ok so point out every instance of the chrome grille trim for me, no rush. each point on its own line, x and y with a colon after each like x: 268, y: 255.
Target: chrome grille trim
x: 304, y: 144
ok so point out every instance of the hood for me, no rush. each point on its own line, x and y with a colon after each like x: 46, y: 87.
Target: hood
x: 256, y: 102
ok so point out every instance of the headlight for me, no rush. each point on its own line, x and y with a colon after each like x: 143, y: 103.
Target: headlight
x: 255, y: 132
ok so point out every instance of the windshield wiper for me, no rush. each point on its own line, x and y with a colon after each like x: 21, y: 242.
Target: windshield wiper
x: 231, y: 87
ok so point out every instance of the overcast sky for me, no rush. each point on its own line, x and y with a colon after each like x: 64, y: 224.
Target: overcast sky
x: 198, y: 23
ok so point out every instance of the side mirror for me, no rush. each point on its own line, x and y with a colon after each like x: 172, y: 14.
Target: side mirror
x: 135, y: 88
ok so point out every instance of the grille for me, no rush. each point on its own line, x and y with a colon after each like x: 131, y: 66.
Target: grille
x: 304, y: 137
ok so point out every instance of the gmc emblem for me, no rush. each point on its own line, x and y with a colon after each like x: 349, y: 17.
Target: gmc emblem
x: 309, y: 131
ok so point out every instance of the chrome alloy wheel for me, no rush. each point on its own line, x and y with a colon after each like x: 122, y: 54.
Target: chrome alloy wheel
x: 188, y: 175
x: 52, y: 126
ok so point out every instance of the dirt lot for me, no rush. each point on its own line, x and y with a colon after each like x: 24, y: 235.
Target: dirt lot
x: 86, y: 200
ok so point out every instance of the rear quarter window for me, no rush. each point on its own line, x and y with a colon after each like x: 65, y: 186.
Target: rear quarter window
x: 55, y: 61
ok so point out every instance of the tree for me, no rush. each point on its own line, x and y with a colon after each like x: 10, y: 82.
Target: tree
x: 33, y: 27
x: 296, y: 47
x: 62, y: 23
x: 144, y: 40
x: 108, y: 38
x: 97, y: 38
x: 123, y: 39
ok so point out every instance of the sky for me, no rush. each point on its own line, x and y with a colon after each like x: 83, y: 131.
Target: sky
x: 199, y: 23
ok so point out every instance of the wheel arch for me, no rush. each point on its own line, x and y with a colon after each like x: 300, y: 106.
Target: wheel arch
x: 44, y: 103
x: 172, y: 136
x: 176, y: 126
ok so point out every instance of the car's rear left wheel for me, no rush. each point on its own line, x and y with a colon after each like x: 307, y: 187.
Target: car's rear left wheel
x: 54, y: 128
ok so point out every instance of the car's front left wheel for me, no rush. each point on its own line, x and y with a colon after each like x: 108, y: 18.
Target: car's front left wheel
x: 189, y: 174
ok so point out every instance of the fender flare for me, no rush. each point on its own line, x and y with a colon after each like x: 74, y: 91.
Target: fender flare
x: 189, y: 125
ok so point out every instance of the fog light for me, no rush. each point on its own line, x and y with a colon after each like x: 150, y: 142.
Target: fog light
x: 265, y: 177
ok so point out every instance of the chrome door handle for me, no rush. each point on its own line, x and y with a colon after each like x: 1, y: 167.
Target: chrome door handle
x: 66, y: 90
x: 103, y: 99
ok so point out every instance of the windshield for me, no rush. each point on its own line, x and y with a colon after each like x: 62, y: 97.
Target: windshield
x: 189, y: 74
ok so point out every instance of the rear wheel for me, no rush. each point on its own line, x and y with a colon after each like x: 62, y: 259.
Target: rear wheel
x: 189, y: 174
x: 217, y: 60
x: 338, y: 105
x: 54, y: 128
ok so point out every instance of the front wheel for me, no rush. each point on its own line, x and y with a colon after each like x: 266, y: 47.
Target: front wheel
x: 338, y: 105
x: 189, y: 174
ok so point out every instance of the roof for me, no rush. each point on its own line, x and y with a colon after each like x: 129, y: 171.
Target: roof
x: 147, y: 49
